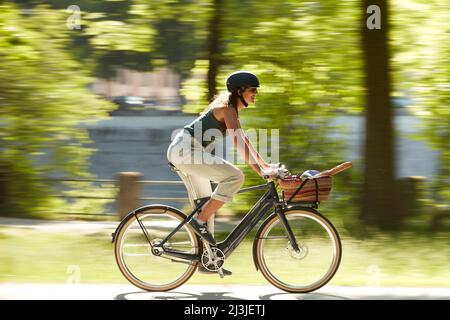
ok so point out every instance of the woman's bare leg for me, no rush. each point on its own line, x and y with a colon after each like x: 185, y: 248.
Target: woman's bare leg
x: 209, y: 208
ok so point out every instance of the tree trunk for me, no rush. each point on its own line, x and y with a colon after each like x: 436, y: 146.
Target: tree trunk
x: 214, y: 47
x: 379, y: 191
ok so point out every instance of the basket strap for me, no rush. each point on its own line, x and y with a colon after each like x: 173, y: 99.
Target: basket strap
x: 317, y: 190
x: 298, y: 189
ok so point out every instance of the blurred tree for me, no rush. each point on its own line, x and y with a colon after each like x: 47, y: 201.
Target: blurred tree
x: 379, y: 194
x: 176, y: 43
x: 214, y: 52
x: 43, y: 99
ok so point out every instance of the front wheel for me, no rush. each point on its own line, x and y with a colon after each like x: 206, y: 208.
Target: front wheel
x: 300, y: 271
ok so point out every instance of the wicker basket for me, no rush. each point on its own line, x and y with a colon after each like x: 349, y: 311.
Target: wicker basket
x: 309, y: 190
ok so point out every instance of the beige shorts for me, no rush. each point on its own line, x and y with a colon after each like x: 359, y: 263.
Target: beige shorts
x: 200, y: 168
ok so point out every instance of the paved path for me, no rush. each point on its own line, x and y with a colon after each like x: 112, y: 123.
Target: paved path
x: 13, y: 291
x: 187, y: 292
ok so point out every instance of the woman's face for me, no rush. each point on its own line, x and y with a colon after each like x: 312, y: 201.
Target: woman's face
x: 250, y: 95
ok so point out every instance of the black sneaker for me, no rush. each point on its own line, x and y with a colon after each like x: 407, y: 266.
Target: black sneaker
x: 202, y: 231
x: 201, y: 269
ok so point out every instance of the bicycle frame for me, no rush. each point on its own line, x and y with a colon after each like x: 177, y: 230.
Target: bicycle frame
x: 278, y: 214
x: 267, y: 201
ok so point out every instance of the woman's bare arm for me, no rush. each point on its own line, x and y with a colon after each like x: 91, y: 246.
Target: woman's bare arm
x: 244, y: 145
x: 241, y: 142
x: 261, y: 162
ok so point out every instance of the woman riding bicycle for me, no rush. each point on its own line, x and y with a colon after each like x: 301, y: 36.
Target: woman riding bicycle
x: 296, y: 248
x: 189, y: 149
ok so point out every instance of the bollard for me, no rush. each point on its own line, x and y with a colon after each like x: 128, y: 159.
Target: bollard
x: 129, y: 192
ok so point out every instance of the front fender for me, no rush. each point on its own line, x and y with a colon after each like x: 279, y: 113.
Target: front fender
x: 138, y: 210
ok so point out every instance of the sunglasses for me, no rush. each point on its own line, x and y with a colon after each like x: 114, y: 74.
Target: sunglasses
x: 253, y: 89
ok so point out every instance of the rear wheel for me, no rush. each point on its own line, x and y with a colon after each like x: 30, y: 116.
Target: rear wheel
x: 149, y: 269
x: 309, y: 268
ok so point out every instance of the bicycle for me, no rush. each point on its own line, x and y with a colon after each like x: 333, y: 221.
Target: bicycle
x: 296, y: 248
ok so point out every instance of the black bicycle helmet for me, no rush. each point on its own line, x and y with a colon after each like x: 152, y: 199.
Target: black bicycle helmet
x: 241, y: 79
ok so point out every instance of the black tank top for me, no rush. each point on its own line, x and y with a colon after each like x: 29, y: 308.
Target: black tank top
x: 207, y: 121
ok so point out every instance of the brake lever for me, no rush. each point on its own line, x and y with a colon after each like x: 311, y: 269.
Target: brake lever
x: 282, y: 171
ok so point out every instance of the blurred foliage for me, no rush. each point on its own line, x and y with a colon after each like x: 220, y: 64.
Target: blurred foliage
x: 137, y: 34
x: 43, y: 97
x: 422, y: 68
x: 308, y: 70
x: 306, y: 53
x: 195, y: 89
x: 308, y: 58
x: 132, y: 34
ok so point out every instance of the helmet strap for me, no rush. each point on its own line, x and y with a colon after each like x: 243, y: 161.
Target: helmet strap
x: 242, y: 100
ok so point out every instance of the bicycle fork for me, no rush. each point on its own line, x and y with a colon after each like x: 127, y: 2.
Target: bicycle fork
x: 288, y: 229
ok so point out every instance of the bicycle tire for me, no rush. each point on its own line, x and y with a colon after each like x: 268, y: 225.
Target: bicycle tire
x: 174, y: 217
x: 281, y: 266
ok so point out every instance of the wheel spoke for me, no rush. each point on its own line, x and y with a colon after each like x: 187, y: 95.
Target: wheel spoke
x: 284, y: 238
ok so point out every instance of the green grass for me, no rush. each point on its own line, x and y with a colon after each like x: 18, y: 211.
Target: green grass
x: 57, y: 257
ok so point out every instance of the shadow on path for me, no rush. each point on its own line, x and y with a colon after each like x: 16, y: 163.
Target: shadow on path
x: 176, y: 295
x: 301, y: 296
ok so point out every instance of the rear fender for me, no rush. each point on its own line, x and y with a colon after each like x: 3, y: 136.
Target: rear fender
x: 132, y: 214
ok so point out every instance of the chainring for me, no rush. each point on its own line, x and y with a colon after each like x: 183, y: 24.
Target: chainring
x: 213, y: 263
